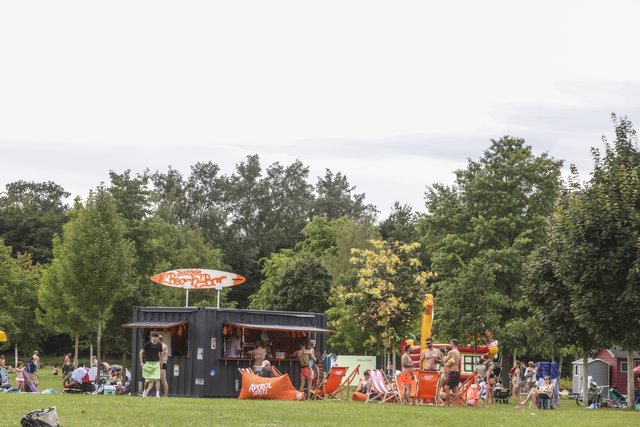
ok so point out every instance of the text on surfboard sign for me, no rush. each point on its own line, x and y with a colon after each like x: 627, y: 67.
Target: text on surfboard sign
x: 196, y: 278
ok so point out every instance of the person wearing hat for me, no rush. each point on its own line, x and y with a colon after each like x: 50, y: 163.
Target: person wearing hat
x: 266, y: 371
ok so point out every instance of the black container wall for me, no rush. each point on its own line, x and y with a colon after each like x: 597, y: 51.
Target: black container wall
x: 204, y: 373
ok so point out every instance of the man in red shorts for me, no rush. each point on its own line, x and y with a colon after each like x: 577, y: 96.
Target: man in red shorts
x: 305, y: 369
x: 406, y: 378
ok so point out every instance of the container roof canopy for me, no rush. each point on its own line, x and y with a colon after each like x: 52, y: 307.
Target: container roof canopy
x: 152, y: 324
x: 286, y: 328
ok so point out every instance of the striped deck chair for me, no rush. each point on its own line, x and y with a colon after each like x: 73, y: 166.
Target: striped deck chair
x: 381, y: 390
x: 427, y: 387
x: 334, y: 384
x: 246, y: 371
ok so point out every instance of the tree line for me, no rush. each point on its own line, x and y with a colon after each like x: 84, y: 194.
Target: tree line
x: 548, y: 266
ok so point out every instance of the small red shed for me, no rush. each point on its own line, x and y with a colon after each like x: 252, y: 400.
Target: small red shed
x: 618, y: 361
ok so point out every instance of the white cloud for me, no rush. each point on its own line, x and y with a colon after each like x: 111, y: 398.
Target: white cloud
x: 153, y: 83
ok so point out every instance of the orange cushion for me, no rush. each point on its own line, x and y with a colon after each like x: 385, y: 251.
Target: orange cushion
x: 280, y: 388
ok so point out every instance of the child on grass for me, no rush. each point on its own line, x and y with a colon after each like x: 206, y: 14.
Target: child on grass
x: 20, y: 373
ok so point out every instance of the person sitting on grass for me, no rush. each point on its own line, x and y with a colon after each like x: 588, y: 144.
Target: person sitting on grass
x: 535, y: 394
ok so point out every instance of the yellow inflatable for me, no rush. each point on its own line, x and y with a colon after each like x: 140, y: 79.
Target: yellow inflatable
x: 3, y: 336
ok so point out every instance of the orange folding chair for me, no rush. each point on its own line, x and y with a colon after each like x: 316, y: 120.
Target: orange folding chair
x: 335, y: 383
x: 462, y: 400
x: 427, y: 387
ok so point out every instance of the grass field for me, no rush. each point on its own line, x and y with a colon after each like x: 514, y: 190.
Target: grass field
x: 99, y: 410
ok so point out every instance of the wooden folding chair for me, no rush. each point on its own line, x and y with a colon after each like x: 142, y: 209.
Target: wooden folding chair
x: 334, y: 384
x: 276, y: 372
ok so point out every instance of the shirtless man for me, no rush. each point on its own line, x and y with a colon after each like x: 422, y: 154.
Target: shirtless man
x: 164, y: 357
x: 305, y: 370
x: 430, y: 357
x: 452, y: 361
x: 259, y: 356
x: 407, y: 374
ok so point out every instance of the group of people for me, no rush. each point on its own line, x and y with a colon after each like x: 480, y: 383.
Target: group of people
x: 446, y: 361
x: 26, y: 374
x: 523, y: 380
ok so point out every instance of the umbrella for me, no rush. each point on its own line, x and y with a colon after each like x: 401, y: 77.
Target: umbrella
x: 637, y: 370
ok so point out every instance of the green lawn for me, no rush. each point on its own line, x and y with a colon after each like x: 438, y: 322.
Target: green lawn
x: 98, y: 410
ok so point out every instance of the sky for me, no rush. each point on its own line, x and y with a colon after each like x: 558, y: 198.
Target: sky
x: 396, y: 95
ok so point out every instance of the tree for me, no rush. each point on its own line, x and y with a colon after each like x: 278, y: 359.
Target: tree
x: 332, y: 241
x: 549, y: 300
x: 473, y: 304
x: 400, y: 224
x: 390, y: 290
x: 30, y: 214
x: 19, y: 278
x: 598, y: 245
x: 299, y: 283
x: 494, y: 213
x: 96, y: 260
x: 335, y: 198
x: 56, y: 312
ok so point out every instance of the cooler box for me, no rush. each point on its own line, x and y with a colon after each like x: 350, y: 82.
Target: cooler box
x: 109, y: 389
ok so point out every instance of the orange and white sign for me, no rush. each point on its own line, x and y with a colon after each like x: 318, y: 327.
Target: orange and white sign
x: 196, y: 278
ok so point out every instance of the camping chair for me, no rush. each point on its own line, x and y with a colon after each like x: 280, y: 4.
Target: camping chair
x: 427, y: 386
x: 335, y: 383
x: 616, y: 399
x: 381, y: 390
x: 554, y: 400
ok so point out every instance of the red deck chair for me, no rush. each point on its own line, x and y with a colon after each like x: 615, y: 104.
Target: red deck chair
x: 427, y: 387
x: 381, y: 390
x: 333, y: 384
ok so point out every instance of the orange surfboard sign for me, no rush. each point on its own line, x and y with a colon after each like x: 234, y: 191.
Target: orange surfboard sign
x: 197, y: 278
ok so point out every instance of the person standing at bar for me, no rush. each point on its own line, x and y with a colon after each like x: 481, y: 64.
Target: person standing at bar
x: 164, y: 357
x: 305, y: 371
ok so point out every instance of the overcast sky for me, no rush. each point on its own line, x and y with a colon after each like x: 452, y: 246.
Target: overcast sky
x: 394, y: 94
